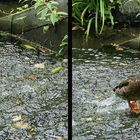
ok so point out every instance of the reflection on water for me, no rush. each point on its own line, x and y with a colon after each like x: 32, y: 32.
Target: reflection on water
x: 97, y: 113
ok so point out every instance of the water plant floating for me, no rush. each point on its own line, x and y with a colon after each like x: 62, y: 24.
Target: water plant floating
x: 130, y: 90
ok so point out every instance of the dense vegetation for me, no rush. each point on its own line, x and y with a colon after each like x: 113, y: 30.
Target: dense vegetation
x: 93, y: 13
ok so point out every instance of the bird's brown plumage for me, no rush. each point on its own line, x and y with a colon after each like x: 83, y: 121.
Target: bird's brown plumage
x: 129, y: 89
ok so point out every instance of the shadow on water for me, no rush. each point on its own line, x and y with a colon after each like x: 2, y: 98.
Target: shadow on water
x: 97, y: 113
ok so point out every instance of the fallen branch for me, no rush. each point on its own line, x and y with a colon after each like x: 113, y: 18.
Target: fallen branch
x: 127, y: 41
x: 38, y: 47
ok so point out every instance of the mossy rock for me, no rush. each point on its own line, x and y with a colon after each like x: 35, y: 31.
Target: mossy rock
x: 129, y: 10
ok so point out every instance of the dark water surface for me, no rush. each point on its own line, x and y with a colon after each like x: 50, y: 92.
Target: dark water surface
x: 33, y: 102
x: 97, y: 113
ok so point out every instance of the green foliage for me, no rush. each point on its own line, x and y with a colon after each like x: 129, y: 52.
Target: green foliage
x: 28, y: 47
x: 97, y: 12
x: 24, y: 7
x: 48, y: 11
x: 3, y: 34
x: 45, y: 29
x: 63, y: 45
x: 56, y: 69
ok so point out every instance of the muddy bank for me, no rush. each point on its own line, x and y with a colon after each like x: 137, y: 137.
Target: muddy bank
x: 33, y: 101
x: 125, y: 38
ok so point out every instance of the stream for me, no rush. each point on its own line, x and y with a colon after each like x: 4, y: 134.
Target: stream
x: 97, y: 113
x: 33, y: 101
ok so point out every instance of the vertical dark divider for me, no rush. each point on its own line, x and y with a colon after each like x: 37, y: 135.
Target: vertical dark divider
x: 69, y: 69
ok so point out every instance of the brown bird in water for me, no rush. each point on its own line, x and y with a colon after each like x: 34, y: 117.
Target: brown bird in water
x: 130, y: 90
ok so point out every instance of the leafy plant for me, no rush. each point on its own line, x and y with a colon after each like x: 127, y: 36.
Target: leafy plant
x: 97, y: 12
x: 48, y: 11
x: 63, y: 45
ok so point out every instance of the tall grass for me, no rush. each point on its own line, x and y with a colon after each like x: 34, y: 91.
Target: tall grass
x: 92, y: 14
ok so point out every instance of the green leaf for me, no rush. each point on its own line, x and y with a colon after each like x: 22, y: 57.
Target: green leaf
x: 102, y: 14
x: 37, y: 4
x: 56, y: 70
x: 53, y: 18
x: 63, y: 44
x: 96, y: 17
x: 65, y: 38
x: 83, y: 14
x: 40, y: 8
x: 45, y: 29
x: 49, y: 6
x: 44, y: 13
x: 62, y: 13
x: 54, y: 3
x: 137, y: 15
x: 76, y: 3
x: 111, y: 18
x: 3, y: 34
x: 29, y: 47
x: 88, y: 29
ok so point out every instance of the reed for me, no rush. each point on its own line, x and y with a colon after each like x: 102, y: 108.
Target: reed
x: 93, y: 14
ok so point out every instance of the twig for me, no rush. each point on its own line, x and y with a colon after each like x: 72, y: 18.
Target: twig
x: 128, y: 41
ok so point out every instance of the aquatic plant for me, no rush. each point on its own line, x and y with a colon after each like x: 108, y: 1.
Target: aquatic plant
x: 97, y: 12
